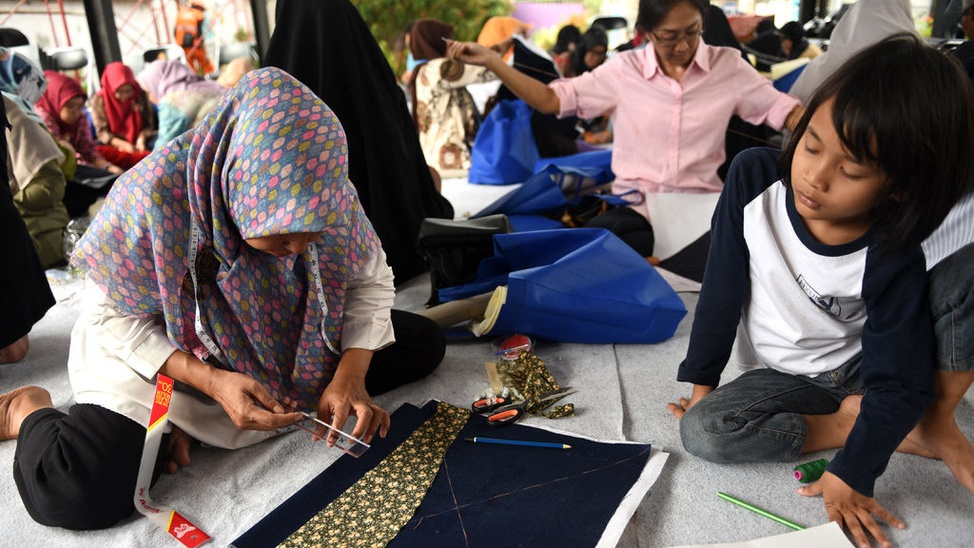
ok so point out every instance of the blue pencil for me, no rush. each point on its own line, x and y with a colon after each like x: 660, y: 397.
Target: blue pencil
x: 525, y: 443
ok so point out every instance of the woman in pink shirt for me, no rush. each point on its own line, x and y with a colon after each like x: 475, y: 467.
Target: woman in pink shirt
x: 670, y: 104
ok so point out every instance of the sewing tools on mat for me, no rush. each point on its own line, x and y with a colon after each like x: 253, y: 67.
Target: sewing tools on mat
x: 510, y: 347
x: 522, y: 443
x: 811, y: 471
x: 521, y: 376
x: 760, y: 511
x: 505, y: 414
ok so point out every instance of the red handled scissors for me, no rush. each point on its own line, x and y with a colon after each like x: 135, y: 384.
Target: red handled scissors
x: 503, y: 413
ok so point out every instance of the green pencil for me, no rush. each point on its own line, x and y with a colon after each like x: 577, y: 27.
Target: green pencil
x: 757, y: 510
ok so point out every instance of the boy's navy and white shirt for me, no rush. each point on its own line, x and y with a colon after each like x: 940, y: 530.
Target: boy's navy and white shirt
x: 808, y: 308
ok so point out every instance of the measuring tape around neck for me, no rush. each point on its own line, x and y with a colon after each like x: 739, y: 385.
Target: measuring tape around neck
x: 205, y: 338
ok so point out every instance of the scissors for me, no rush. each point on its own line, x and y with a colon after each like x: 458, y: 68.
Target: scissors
x: 502, y: 412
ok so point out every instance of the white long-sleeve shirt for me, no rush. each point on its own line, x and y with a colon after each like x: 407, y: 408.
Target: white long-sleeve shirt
x: 114, y: 357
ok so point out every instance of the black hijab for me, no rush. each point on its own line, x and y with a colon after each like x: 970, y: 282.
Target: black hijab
x: 794, y: 32
x: 328, y: 47
x: 717, y: 30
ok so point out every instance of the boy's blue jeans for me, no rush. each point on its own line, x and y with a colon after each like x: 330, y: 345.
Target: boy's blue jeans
x: 951, y: 285
x: 758, y: 416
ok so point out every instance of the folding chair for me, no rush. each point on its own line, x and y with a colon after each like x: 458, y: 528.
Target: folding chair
x: 72, y: 59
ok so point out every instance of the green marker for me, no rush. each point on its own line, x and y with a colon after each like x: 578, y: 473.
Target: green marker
x: 757, y: 510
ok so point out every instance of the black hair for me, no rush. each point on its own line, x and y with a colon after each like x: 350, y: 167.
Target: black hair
x: 651, y: 12
x: 594, y: 36
x: 765, y: 26
x: 907, y: 109
x: 569, y: 34
x: 793, y: 31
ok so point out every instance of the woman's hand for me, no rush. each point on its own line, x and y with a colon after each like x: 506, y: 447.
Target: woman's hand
x: 346, y: 396
x: 112, y: 168
x: 502, y: 46
x: 679, y: 408
x: 598, y: 137
x: 249, y: 405
x: 851, y: 509
x: 470, y: 52
x: 140, y: 143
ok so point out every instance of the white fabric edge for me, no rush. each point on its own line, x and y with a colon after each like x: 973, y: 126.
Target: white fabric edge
x: 632, y: 500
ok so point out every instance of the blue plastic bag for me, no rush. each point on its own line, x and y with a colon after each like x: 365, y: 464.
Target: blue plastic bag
x: 598, y: 160
x: 550, y: 190
x: 580, y: 285
x: 504, y: 151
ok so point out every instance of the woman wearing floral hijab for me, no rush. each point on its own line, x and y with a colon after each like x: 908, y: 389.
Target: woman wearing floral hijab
x: 125, y: 123
x: 182, y: 97
x: 238, y: 261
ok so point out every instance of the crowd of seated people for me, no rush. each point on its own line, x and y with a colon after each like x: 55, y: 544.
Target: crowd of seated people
x: 675, y: 97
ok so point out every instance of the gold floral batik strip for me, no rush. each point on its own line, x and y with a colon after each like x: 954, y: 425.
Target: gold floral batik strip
x: 373, y: 510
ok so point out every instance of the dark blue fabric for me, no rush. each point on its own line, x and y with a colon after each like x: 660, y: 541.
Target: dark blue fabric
x: 581, y: 285
x: 504, y: 151
x: 483, y: 490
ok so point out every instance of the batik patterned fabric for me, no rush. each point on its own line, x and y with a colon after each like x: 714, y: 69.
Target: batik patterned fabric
x: 373, y: 510
x: 446, y: 115
x: 270, y: 159
x: 529, y: 375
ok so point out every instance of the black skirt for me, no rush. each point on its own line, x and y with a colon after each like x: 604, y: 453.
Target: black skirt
x: 25, y: 295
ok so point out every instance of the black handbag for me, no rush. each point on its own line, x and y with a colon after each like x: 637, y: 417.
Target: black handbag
x: 453, y: 249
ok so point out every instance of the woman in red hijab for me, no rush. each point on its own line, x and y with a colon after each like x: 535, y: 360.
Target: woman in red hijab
x: 62, y: 107
x: 125, y: 123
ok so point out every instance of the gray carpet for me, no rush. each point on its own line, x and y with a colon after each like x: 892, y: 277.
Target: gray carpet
x: 622, y: 394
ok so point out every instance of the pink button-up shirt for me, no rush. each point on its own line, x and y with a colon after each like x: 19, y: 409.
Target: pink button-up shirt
x: 669, y: 135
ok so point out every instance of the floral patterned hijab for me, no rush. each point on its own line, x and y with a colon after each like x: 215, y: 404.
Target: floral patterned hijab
x: 270, y: 159
x: 168, y: 75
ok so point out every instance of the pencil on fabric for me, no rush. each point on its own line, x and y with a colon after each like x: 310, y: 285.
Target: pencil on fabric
x: 759, y: 511
x: 524, y: 443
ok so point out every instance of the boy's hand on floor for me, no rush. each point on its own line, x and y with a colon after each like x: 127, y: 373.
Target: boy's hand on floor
x: 684, y: 405
x: 852, y: 510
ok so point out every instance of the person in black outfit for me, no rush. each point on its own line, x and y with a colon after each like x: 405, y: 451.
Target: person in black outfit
x: 329, y: 48
x: 28, y: 296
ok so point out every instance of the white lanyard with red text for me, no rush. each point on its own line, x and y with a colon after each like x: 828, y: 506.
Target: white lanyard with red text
x: 172, y: 521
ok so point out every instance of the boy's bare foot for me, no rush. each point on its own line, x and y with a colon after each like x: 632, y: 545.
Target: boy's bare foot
x: 16, y: 405
x: 16, y: 351
x: 943, y: 439
x: 830, y: 431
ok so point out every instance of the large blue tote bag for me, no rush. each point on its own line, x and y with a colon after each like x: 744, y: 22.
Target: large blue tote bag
x: 581, y: 285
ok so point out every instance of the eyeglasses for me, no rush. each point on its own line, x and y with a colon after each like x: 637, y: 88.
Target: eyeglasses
x: 671, y: 38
